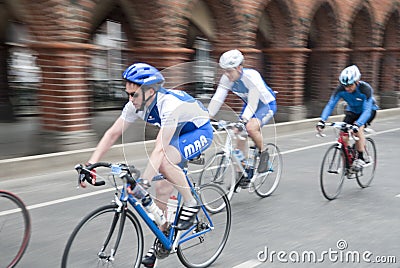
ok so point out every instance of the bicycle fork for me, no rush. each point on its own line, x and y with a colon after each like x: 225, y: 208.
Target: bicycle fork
x: 119, y: 216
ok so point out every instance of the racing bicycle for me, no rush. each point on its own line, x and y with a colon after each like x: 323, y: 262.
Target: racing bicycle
x: 340, y: 161
x: 112, y: 235
x: 226, y: 168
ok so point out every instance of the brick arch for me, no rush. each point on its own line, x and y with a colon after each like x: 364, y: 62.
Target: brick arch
x: 321, y: 66
x: 280, y: 31
x: 276, y: 29
x: 389, y: 74
x: 225, y: 22
x: 362, y: 43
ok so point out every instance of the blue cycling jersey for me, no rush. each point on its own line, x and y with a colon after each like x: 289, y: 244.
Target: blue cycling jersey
x: 360, y: 102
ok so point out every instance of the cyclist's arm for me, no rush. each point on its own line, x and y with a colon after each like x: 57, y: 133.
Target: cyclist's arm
x: 331, y: 105
x: 219, y: 96
x: 109, y: 138
x: 252, y: 103
x: 366, y: 114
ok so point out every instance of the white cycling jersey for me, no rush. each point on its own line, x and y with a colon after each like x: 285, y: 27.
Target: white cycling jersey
x: 169, y: 108
x: 251, y: 88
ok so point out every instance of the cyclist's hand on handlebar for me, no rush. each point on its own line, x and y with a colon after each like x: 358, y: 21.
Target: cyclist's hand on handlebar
x: 85, y: 175
x: 355, y: 128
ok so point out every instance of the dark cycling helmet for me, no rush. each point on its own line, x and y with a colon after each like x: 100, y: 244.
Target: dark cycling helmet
x: 143, y: 74
x: 349, y: 75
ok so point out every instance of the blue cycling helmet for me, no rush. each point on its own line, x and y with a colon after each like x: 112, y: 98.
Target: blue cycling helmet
x: 143, y: 74
x: 349, y: 75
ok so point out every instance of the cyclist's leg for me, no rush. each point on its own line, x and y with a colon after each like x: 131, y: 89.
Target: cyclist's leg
x: 263, y: 115
x: 189, y: 145
x: 349, y: 118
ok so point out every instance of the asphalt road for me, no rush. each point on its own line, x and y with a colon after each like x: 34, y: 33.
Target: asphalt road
x: 295, y: 221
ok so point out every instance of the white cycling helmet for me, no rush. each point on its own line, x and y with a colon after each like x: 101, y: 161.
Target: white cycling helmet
x: 231, y: 59
x: 349, y: 75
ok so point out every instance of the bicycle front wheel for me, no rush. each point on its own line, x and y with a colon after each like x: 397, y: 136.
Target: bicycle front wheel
x: 220, y: 171
x: 201, y: 245
x: 333, y: 170
x: 15, y: 229
x: 266, y: 183
x: 367, y: 173
x: 106, y: 237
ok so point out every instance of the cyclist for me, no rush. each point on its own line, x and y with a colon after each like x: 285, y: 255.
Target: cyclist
x: 259, y: 99
x: 185, y: 131
x: 361, y: 106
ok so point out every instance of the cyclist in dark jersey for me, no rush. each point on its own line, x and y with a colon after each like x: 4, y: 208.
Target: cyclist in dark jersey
x: 361, y: 105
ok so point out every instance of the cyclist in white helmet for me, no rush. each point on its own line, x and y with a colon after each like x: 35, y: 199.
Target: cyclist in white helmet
x: 259, y: 99
x: 361, y: 106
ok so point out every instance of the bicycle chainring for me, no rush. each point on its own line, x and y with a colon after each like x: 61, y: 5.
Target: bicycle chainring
x: 160, y: 251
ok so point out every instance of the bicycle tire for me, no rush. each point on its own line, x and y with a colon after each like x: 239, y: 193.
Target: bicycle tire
x: 366, y: 175
x: 86, y: 241
x: 220, y: 171
x: 202, y: 251
x: 266, y: 183
x: 10, y: 224
x: 333, y: 171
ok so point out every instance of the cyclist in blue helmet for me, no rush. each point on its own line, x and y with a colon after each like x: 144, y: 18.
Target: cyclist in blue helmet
x: 361, y: 106
x: 259, y: 99
x: 185, y: 132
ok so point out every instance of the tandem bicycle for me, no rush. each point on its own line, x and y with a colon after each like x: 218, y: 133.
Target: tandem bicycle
x: 112, y: 235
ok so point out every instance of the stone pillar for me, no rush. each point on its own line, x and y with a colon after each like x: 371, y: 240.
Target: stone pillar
x: 388, y: 90
x: 64, y: 98
x: 6, y: 109
x: 285, y: 73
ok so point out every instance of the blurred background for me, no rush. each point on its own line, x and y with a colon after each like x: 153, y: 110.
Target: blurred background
x: 61, y: 60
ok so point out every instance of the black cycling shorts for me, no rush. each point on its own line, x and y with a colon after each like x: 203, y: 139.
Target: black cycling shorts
x: 351, y: 117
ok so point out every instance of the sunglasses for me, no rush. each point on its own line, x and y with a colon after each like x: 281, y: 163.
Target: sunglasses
x: 133, y: 94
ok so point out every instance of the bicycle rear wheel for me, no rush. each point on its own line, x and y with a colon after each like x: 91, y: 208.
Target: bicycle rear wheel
x: 266, y: 183
x: 15, y: 229
x: 218, y: 170
x: 367, y: 173
x: 201, y: 245
x: 333, y: 170
x: 92, y: 243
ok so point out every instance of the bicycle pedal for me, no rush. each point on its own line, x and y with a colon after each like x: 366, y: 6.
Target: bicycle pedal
x: 333, y: 171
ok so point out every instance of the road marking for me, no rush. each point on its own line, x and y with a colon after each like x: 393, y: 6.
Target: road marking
x: 248, y: 264
x: 44, y: 204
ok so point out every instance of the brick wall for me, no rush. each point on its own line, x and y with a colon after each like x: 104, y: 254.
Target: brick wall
x: 307, y: 43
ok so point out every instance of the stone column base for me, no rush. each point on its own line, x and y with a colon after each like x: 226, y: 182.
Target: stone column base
x: 51, y: 141
x: 388, y: 100
x: 290, y: 113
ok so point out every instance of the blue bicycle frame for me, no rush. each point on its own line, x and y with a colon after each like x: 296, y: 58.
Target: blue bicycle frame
x: 181, y: 237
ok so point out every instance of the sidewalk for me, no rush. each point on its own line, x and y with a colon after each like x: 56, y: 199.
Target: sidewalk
x: 18, y: 139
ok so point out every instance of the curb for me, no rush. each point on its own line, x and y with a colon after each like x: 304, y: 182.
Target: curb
x: 45, y: 163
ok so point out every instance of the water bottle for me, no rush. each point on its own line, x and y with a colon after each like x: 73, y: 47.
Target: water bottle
x: 139, y: 192
x: 252, y: 154
x: 171, y: 208
x: 153, y: 210
x: 239, y: 155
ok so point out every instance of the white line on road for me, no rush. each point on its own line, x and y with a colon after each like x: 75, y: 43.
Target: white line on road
x: 248, y: 264
x: 112, y: 189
